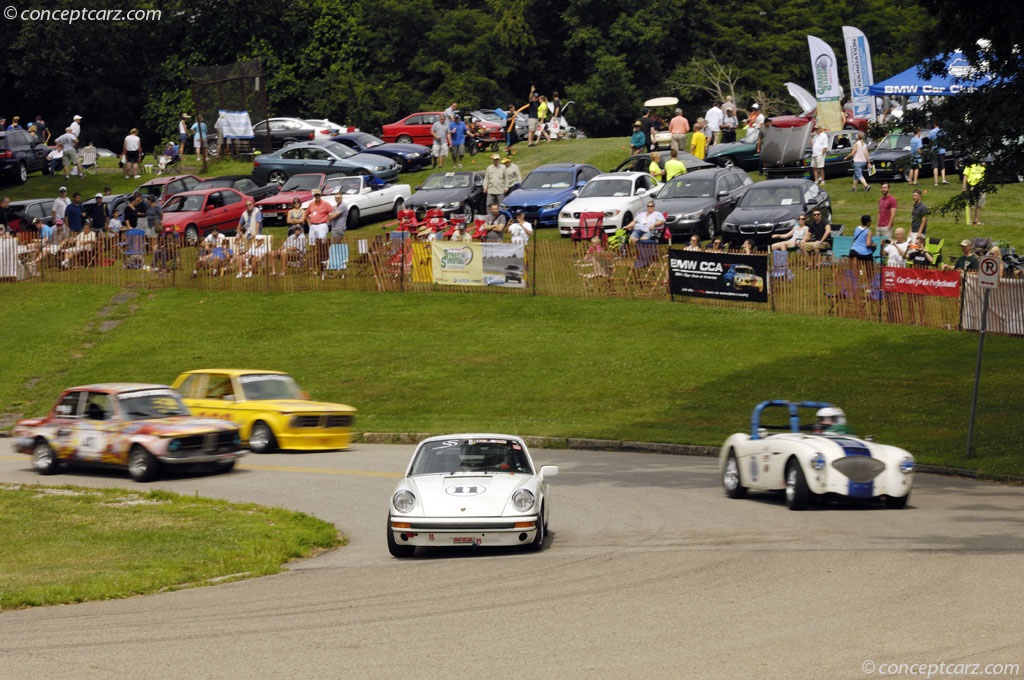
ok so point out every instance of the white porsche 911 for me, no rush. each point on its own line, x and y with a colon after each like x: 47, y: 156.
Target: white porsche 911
x: 817, y: 459
x: 469, y: 489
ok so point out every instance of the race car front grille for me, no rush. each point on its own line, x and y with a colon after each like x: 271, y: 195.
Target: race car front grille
x: 209, y: 441
x: 323, y: 420
x: 859, y: 468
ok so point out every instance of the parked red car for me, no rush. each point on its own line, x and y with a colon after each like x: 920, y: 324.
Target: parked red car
x: 197, y: 213
x: 276, y: 207
x: 415, y: 129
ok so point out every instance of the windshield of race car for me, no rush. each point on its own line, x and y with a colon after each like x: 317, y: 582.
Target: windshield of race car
x: 270, y: 386
x: 454, y: 455
x: 147, y: 404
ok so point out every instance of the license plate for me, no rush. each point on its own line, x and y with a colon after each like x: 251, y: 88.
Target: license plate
x: 466, y: 540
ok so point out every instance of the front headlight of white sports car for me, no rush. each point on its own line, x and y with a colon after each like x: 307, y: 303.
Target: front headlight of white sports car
x: 404, y: 501
x: 907, y: 465
x: 523, y: 500
x: 818, y: 462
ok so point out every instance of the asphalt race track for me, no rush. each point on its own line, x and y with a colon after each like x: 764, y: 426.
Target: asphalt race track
x: 650, y: 572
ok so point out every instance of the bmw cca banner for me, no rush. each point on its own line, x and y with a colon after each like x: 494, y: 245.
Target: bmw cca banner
x: 727, y: 276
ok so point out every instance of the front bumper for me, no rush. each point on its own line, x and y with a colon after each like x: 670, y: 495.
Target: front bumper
x: 452, y: 532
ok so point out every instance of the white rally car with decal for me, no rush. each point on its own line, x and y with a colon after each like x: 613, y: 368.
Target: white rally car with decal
x: 818, y: 459
x: 470, y: 490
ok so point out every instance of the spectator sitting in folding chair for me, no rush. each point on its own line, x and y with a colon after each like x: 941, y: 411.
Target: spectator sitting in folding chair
x: 169, y: 159
x: 292, y: 252
x: 647, y: 225
x: 88, y: 158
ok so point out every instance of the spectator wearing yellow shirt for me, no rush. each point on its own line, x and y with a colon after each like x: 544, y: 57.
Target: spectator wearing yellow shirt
x: 698, y: 141
x: 674, y: 166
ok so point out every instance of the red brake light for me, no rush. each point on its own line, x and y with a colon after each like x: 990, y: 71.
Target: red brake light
x: 255, y: 164
x: 311, y: 135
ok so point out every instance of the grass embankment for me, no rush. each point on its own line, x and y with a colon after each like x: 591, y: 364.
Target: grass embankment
x: 616, y: 369
x: 96, y: 544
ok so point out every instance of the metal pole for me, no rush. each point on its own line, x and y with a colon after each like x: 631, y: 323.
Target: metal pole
x: 977, y: 370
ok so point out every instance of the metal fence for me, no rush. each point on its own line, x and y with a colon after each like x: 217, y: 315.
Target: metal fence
x: 845, y: 289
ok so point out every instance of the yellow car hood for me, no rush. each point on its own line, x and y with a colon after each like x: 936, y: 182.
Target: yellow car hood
x: 295, y: 406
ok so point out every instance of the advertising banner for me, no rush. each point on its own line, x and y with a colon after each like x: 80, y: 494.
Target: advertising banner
x: 478, y: 264
x: 858, y: 61
x: 727, y: 276
x: 921, y: 281
x: 824, y: 70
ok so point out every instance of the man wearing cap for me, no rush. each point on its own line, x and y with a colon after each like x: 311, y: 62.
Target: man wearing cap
x: 457, y: 130
x: 755, y: 121
x: 60, y: 206
x: 967, y: 262
x: 98, y: 215
x: 495, y: 180
x: 339, y: 217
x: 678, y: 127
x: 460, y: 234
x: 819, y: 147
x: 318, y: 214
x: 513, y: 175
x: 76, y: 127
x: 637, y: 142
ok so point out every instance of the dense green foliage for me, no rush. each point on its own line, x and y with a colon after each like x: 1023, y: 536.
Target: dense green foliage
x: 367, y: 62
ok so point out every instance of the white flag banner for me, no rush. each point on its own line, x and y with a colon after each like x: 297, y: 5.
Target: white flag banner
x: 858, y: 60
x: 234, y: 125
x: 824, y: 70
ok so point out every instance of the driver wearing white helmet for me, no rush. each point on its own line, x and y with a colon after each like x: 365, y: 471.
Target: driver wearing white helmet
x: 831, y: 419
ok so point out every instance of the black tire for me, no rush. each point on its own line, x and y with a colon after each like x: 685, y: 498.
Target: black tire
x: 352, y: 221
x: 797, y: 493
x: 542, y: 529
x: 277, y: 177
x: 191, y: 235
x: 731, y: 478
x: 404, y: 139
x: 44, y: 458
x: 897, y: 502
x: 399, y: 205
x: 712, y: 231
x: 261, y: 438
x: 142, y: 466
x: 22, y: 175
x: 395, y: 549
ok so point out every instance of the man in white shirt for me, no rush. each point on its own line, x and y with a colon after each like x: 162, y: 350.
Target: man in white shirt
x: 896, y: 251
x: 819, y: 147
x: 645, y: 225
x: 251, y: 221
x: 60, y: 205
x: 69, y: 141
x: 713, y: 125
x: 76, y: 128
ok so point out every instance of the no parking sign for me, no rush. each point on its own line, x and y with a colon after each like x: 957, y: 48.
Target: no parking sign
x: 988, y: 271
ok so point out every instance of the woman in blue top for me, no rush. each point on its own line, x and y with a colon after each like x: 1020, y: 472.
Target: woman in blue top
x: 863, y: 247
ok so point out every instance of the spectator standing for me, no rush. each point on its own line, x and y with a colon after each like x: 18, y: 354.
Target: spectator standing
x: 520, y: 230
x: 513, y: 176
x: 495, y: 223
x: 131, y: 152
x: 98, y: 214
x: 967, y: 262
x: 199, y: 136
x: 678, y: 127
x: 915, y: 158
x: 15, y: 123
x: 918, y: 217
x: 76, y: 127
x: 819, y: 147
x: 154, y: 216
x: 42, y: 132
x: 698, y: 140
x: 183, y: 132
x: 886, y: 212
x: 511, y: 136
x: 451, y: 113
x: 70, y: 142
x: 250, y: 222
x: 861, y: 160
x: 60, y: 206
x: 457, y: 130
x: 131, y: 213
x: 729, y: 123
x: 555, y: 107
x: 74, y: 216
x: 938, y: 154
x: 755, y: 121
x: 442, y: 138
x: 339, y: 217
x: 531, y: 116
x: 655, y: 168
x: 863, y: 248
x: 297, y: 217
x: 637, y: 143
x: 318, y: 214
x: 543, y: 114
x: 6, y: 214
x: 495, y: 181
x: 646, y: 125
x: 974, y: 175
x: 713, y: 125
x: 674, y: 166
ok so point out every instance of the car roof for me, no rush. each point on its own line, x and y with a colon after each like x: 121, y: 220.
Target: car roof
x: 798, y: 182
x: 474, y: 435
x: 157, y: 181
x: 622, y: 174
x: 562, y: 166
x: 235, y: 371
x: 710, y: 172
x: 227, y: 177
x: 118, y: 387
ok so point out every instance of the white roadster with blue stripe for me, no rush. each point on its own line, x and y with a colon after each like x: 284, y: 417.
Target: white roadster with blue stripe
x: 470, y: 490
x: 812, y: 460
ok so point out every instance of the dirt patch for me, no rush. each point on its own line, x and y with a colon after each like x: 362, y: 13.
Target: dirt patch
x: 109, y: 325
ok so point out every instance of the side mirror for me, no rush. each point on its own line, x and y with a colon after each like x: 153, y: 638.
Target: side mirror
x: 548, y: 471
x: 209, y: 207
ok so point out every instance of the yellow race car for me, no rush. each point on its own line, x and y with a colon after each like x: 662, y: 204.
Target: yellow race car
x: 271, y: 410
